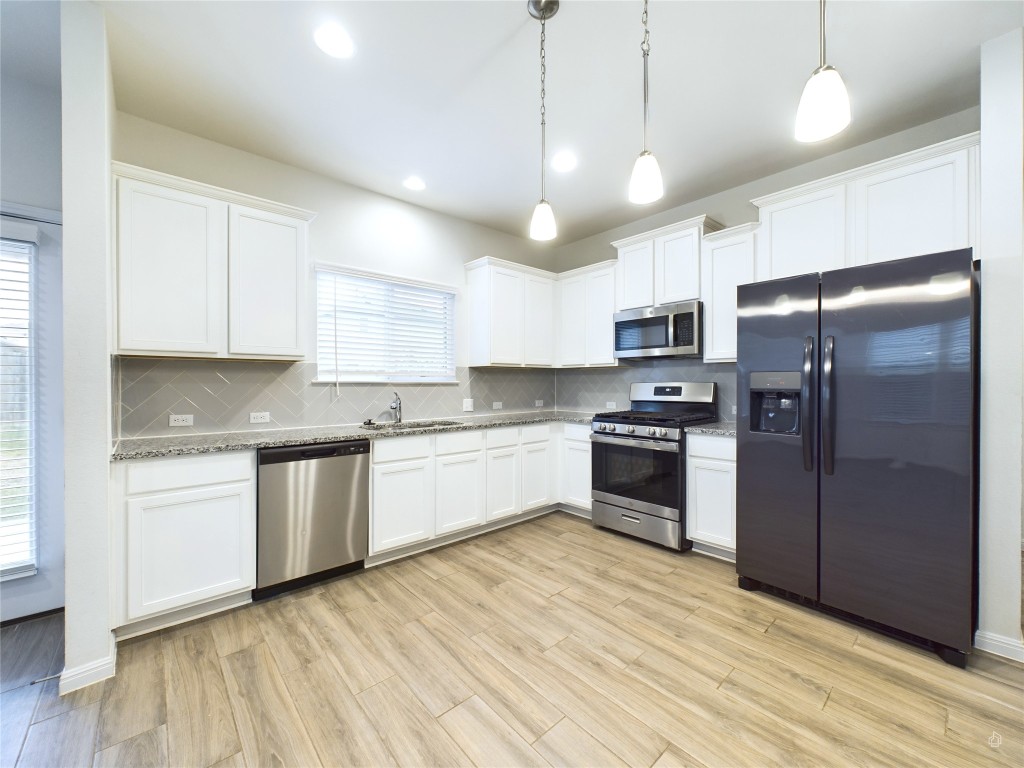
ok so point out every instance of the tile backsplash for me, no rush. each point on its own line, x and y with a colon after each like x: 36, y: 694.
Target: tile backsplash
x: 220, y: 394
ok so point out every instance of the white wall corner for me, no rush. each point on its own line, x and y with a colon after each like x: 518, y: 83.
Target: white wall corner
x: 73, y: 678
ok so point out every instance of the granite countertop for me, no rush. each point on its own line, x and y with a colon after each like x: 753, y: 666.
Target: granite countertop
x: 724, y: 428
x: 184, y: 445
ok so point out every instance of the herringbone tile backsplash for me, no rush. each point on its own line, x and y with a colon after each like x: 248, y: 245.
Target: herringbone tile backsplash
x: 220, y: 394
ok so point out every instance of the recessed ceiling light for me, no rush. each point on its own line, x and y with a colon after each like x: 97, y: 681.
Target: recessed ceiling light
x: 564, y: 161
x: 333, y: 40
x: 414, y: 183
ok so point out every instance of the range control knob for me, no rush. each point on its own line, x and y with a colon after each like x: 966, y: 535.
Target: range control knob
x: 662, y: 432
x: 651, y: 431
x: 631, y: 430
x: 611, y: 427
x: 603, y: 427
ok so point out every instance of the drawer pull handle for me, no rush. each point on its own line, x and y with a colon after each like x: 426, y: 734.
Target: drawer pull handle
x: 631, y: 519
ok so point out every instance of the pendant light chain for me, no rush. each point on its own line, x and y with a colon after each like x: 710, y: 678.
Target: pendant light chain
x: 645, y: 48
x: 543, y: 109
x: 821, y: 41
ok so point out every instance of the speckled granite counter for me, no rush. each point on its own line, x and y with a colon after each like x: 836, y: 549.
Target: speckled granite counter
x: 183, y: 445
x: 723, y: 428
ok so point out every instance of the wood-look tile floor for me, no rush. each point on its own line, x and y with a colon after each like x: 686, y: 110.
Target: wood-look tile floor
x: 546, y: 643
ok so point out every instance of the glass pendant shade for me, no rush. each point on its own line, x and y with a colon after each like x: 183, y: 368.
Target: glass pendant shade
x: 824, y: 106
x: 645, y: 185
x: 542, y: 225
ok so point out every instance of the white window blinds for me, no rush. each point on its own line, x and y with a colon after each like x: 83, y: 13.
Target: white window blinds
x: 17, y: 411
x: 371, y: 329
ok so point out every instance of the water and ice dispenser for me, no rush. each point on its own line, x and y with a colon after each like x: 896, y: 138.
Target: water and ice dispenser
x: 775, y: 402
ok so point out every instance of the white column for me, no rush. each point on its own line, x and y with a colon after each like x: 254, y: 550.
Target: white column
x: 87, y: 105
x: 1002, y: 343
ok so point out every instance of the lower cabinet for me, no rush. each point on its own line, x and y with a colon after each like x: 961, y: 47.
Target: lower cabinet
x: 538, y: 474
x: 576, y: 465
x: 711, y: 490
x: 187, y: 531
x: 503, y: 478
x: 403, y: 503
x: 460, y: 474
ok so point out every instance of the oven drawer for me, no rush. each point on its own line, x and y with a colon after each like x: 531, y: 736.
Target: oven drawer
x: 668, y: 533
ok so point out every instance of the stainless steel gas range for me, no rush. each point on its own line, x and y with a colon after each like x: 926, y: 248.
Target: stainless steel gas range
x: 639, y: 460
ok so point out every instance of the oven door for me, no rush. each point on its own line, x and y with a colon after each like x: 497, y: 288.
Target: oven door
x: 640, y: 475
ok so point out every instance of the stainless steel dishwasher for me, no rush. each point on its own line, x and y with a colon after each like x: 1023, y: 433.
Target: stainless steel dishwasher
x: 313, y: 513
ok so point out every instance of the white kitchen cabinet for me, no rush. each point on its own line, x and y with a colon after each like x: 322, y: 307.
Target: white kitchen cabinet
x: 727, y: 261
x: 511, y: 314
x: 538, y: 466
x: 403, y: 504
x: 576, y: 465
x: 572, y: 325
x: 711, y: 490
x: 917, y: 208
x: 186, y: 532
x: 802, y: 234
x: 662, y: 266
x: 599, y: 317
x: 206, y: 272
x: 172, y: 248
x: 460, y: 498
x: 586, y: 304
x: 503, y: 482
x: 267, y: 279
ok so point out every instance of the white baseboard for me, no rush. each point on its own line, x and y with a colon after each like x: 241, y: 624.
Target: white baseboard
x: 1008, y: 647
x: 86, y: 674
x: 572, y: 509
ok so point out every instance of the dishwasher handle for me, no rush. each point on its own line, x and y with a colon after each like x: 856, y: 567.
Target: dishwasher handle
x: 311, y: 452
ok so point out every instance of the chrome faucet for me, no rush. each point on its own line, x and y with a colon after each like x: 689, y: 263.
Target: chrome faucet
x: 396, y: 406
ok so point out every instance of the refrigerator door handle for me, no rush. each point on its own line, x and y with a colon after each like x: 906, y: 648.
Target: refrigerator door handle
x: 805, y: 404
x: 828, y: 434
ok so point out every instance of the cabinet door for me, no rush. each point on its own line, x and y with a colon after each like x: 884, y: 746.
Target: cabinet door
x: 189, y: 546
x: 507, y: 316
x: 636, y: 276
x: 461, y: 480
x: 503, y: 480
x: 921, y: 208
x: 539, y: 340
x: 403, y: 503
x: 268, y: 284
x: 171, y: 270
x: 803, y: 235
x: 600, y: 309
x: 711, y: 502
x: 577, y: 472
x: 677, y: 267
x: 572, y: 321
x: 537, y: 476
x: 726, y: 264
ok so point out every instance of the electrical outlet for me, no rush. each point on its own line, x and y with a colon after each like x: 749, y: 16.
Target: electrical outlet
x: 538, y: 403
x: 610, y: 404
x: 467, y: 405
x: 259, y: 417
x: 180, y: 420
x: 734, y: 410
x: 496, y: 406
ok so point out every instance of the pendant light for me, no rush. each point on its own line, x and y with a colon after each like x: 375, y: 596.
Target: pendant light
x: 824, y: 107
x: 542, y: 225
x: 645, y: 184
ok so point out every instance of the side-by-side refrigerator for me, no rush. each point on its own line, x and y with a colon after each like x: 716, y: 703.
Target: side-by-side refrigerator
x: 857, y: 443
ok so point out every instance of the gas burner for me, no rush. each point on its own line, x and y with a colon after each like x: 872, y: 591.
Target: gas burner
x: 660, y: 410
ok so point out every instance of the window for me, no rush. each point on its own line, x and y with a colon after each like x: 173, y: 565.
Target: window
x: 374, y: 329
x: 17, y: 409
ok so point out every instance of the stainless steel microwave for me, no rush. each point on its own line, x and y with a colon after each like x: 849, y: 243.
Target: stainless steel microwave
x: 672, y: 330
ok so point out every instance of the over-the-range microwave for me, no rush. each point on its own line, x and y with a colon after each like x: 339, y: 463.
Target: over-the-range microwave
x: 672, y: 330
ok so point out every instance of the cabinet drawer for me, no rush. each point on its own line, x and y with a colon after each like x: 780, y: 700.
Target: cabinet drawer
x: 165, y: 474
x: 459, y: 442
x: 502, y: 437
x: 536, y: 433
x: 711, y: 447
x: 577, y: 432
x: 401, y: 449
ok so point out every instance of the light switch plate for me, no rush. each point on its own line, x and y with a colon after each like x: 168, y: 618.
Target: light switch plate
x: 259, y: 417
x: 538, y: 403
x: 467, y: 404
x: 610, y: 404
x: 496, y: 406
x: 734, y: 410
x: 180, y: 420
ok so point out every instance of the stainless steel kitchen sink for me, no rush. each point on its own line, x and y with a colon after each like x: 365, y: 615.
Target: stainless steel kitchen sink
x: 392, y: 427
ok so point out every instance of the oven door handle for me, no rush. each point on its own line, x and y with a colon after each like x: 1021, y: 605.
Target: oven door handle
x: 665, y: 446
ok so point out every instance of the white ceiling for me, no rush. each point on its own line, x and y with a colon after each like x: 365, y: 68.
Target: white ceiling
x: 450, y: 91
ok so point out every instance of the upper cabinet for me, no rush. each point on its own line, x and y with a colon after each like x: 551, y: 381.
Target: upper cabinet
x: 511, y: 314
x: 727, y: 261
x: 662, y: 266
x: 585, y: 308
x: 920, y: 202
x: 205, y: 272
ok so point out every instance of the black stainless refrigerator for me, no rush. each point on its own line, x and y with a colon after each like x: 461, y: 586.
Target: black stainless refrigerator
x: 857, y: 444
